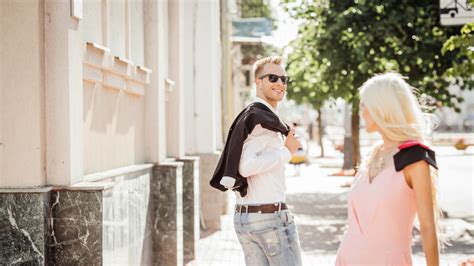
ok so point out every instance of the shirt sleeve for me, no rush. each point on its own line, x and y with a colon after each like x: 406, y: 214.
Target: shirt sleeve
x: 253, y: 160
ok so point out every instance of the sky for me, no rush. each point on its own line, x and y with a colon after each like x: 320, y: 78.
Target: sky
x: 287, y: 29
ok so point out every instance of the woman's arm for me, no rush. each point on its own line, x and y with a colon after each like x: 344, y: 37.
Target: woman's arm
x: 418, y: 177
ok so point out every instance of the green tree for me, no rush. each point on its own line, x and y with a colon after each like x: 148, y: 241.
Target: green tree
x: 305, y: 86
x: 255, y: 9
x: 347, y: 42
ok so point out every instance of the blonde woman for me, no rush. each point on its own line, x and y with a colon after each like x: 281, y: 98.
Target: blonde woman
x: 395, y: 184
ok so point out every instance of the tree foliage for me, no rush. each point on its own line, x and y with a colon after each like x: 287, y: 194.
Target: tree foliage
x: 462, y: 69
x: 343, y: 43
x: 255, y: 9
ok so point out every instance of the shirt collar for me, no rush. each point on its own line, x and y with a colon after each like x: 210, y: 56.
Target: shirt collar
x: 260, y: 100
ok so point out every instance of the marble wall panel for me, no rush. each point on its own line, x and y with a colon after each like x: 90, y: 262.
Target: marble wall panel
x: 190, y: 206
x: 24, y: 228
x: 167, y: 193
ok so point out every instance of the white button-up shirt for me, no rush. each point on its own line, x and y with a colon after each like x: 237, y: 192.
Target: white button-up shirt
x: 262, y: 162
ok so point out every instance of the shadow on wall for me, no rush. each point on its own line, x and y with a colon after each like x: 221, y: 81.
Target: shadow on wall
x: 113, y: 128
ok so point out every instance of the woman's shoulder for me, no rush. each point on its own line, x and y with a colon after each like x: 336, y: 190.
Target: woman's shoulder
x: 413, y: 151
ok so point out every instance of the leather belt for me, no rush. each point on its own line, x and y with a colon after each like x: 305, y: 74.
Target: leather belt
x: 264, y: 208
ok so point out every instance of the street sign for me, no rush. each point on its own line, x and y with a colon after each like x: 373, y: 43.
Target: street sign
x: 456, y: 13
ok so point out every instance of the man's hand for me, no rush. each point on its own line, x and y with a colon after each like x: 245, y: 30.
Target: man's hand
x: 291, y: 142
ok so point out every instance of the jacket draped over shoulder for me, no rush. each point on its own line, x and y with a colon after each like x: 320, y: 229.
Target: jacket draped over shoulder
x: 254, y: 114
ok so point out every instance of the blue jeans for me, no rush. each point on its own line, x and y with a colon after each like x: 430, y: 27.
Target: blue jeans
x: 268, y: 238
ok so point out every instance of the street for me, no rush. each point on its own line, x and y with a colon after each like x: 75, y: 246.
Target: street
x: 319, y: 204
x: 456, y: 181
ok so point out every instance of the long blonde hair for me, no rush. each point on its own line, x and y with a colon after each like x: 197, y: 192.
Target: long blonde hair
x: 392, y: 105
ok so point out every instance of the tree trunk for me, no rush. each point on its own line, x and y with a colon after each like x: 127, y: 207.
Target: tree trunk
x: 347, y: 149
x: 320, y: 131
x: 347, y: 154
x: 355, y: 121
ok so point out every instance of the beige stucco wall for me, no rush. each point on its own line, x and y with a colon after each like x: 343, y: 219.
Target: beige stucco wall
x: 113, y: 129
x: 207, y: 78
x: 55, y: 126
x: 113, y: 119
x: 22, y: 148
x: 156, y: 58
x: 137, y: 38
x: 63, y: 94
x: 116, y: 27
x: 190, y: 80
x: 92, y: 21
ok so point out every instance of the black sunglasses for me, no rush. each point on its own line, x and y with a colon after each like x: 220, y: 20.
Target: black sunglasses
x: 274, y: 78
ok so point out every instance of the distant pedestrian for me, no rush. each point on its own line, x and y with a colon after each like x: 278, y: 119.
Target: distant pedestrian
x: 300, y: 156
x: 253, y: 165
x: 395, y: 184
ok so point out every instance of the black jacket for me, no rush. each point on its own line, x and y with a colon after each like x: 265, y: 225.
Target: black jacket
x: 254, y: 114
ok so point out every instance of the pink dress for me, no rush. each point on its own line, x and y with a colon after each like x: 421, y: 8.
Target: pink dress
x: 380, y: 221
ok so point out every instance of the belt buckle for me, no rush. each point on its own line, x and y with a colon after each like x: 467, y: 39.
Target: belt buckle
x: 239, y: 208
x: 279, y: 207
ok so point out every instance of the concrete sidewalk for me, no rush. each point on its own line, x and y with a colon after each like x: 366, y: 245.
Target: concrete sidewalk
x: 319, y: 204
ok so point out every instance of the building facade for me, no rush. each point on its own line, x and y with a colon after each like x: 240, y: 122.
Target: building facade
x: 110, y: 126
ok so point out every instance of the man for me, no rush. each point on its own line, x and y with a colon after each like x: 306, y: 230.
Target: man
x: 256, y: 144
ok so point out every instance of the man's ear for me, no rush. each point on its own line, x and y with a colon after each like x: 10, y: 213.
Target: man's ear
x: 258, y: 83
